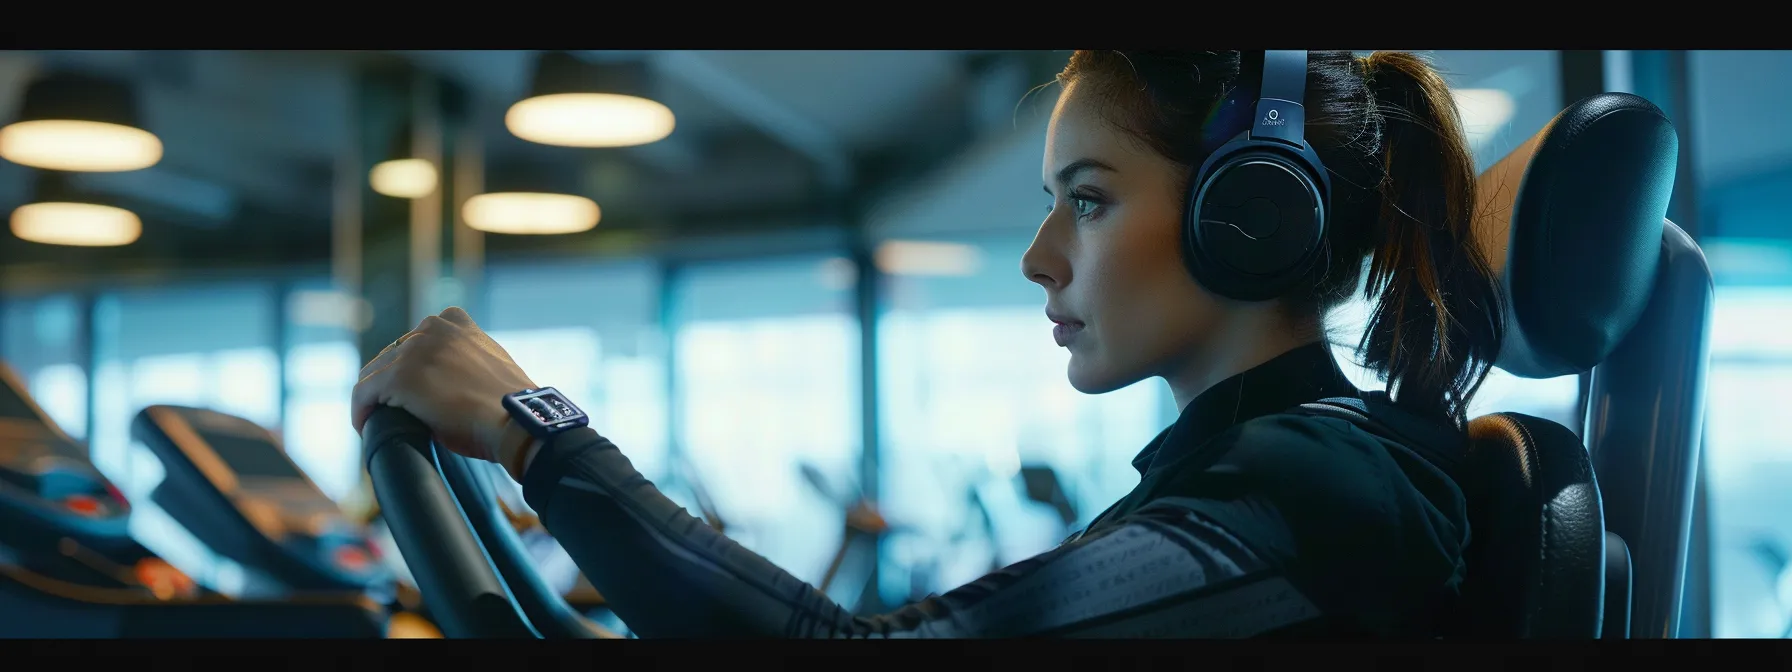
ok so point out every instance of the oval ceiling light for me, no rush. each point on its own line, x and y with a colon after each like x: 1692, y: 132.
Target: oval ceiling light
x: 404, y: 178
x: 77, y: 224
x: 530, y: 213
x: 574, y: 103
x: 589, y: 120
x: 79, y: 123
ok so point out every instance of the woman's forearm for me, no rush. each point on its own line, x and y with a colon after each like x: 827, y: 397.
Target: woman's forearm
x: 668, y: 574
x: 663, y: 571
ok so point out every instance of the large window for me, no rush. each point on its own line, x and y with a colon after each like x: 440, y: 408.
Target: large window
x: 43, y: 345
x: 1743, y: 166
x: 972, y: 388
x: 210, y: 346
x: 767, y: 380
x: 1749, y: 462
x: 321, y: 364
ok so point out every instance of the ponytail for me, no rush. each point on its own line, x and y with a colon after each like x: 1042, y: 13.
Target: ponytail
x: 1436, y: 327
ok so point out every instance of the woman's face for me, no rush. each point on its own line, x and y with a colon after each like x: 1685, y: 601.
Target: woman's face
x: 1109, y: 254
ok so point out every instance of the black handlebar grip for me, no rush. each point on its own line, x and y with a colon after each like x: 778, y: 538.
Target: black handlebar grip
x: 457, y: 581
x: 546, y: 609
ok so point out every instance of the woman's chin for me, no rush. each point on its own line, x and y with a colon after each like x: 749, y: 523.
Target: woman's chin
x: 1091, y: 377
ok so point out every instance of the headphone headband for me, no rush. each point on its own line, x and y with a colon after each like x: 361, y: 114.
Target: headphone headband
x: 1281, y: 113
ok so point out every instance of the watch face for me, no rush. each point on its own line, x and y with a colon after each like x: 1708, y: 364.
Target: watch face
x: 550, y: 410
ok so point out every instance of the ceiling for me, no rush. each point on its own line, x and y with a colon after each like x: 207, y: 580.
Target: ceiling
x: 252, y: 140
x: 765, y: 139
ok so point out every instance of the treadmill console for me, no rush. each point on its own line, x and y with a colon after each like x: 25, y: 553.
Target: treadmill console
x: 69, y: 568
x: 230, y: 482
x: 47, y: 484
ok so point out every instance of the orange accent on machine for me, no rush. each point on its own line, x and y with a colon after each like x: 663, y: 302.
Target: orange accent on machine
x: 164, y: 580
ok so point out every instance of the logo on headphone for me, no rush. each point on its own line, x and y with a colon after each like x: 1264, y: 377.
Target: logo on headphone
x: 1273, y: 118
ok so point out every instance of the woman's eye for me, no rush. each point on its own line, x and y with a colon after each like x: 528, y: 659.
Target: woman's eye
x: 1082, y: 207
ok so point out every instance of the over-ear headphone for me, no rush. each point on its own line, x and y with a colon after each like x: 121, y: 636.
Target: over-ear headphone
x: 1257, y: 209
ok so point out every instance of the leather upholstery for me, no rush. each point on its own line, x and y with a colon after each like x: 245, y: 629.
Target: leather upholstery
x: 1537, y: 550
x: 1577, y: 242
x: 1585, y: 234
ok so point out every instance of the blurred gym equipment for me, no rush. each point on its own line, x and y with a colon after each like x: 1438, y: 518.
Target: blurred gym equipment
x: 706, y: 505
x: 70, y: 569
x: 1773, y: 558
x: 230, y: 483
x: 1040, y: 483
x: 863, y: 528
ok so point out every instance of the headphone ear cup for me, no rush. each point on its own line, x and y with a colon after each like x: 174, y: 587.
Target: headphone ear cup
x: 1255, y: 222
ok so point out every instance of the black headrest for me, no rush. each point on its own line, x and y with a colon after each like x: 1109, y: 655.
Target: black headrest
x: 1585, y: 234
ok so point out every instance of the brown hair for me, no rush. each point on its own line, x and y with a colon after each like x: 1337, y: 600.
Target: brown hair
x: 1403, y: 182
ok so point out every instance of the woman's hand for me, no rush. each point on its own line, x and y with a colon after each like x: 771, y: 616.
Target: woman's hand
x: 453, y: 378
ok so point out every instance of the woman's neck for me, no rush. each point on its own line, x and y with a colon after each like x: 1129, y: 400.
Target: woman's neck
x: 1232, y: 352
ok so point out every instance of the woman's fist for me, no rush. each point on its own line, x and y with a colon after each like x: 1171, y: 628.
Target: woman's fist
x: 452, y: 377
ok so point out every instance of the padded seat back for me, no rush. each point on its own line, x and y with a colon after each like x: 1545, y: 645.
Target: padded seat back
x: 1537, y: 548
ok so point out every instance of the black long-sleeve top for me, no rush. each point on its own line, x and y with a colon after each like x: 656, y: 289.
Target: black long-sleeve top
x: 1247, y: 521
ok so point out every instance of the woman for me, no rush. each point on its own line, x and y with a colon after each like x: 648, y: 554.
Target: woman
x: 1251, y: 518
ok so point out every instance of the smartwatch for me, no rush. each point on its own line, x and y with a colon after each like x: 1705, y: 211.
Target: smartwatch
x: 544, y: 412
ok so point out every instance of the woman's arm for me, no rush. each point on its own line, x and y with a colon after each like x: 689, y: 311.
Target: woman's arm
x: 1167, y: 570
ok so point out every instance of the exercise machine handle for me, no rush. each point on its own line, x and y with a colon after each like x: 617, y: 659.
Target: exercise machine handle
x: 461, y: 589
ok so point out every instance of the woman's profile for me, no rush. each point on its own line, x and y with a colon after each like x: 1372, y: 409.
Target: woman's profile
x: 1166, y: 252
